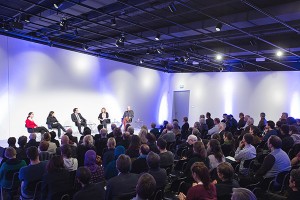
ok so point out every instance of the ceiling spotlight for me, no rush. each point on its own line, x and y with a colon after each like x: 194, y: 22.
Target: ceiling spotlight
x: 27, y: 18
x: 219, y: 57
x: 172, y: 7
x: 113, y: 22
x: 219, y: 26
x: 159, y: 50
x: 141, y: 61
x: 85, y: 47
x: 58, y: 3
x: 176, y: 59
x: 157, y: 37
x: 148, y: 51
x: 279, y: 53
x: 120, y: 41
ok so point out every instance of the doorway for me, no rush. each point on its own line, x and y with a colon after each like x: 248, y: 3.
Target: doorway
x: 181, y: 103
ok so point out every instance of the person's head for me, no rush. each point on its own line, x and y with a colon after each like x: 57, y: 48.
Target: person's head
x: 75, y: 110
x: 123, y: 163
x: 201, y: 173
x: 222, y: 126
x: 135, y: 141
x: 103, y: 133
x: 270, y: 125
x: 250, y: 121
x: 111, y: 143
x: 87, y: 131
x: 284, y: 115
x: 90, y: 158
x: 294, y: 182
x: 22, y: 141
x: 66, y: 151
x: 161, y: 144
x: 185, y: 119
x: 44, y: 146
x: 55, y: 163
x: 192, y: 139
x: 51, y: 113
x: 199, y: 148
x: 153, y: 160
x: 246, y: 118
x: 274, y: 142
x: 146, y: 186
x: 284, y: 129
x: 144, y: 149
x: 10, y: 153
x: 214, y: 147
x: 53, y: 135
x: 225, y: 171
x: 83, y: 175
x: 224, y: 116
x: 242, y: 194
x: 88, y: 140
x: 128, y: 108
x: 241, y: 115
x: 151, y: 138
x: 103, y: 110
x: 153, y: 125
x: 117, y: 132
x: 254, y: 130
x: 47, y: 137
x: 196, y: 132
x: 293, y: 130
x: 142, y: 135
x: 32, y: 153
x: 262, y: 115
x: 11, y: 141
x: 169, y: 126
x: 113, y: 126
x: 208, y: 115
x: 119, y: 150
x: 216, y: 121
x: 30, y: 115
x: 32, y: 136
x: 64, y: 140
x: 175, y: 125
x: 130, y: 129
x: 197, y: 125
x: 202, y: 121
x: 248, y: 138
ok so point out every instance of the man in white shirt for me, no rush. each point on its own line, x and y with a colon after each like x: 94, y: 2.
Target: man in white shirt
x: 214, y: 129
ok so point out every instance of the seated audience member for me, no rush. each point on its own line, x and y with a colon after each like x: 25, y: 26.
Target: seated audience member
x: 134, y: 147
x: 118, y: 136
x: 203, y: 128
x: 52, y: 146
x: 111, y: 169
x: 166, y: 157
x: 53, y: 136
x: 228, y: 145
x: 101, y: 141
x: 56, y: 181
x: 66, y: 141
x: 262, y: 122
x: 255, y: 132
x: 244, y: 152
x: 287, y: 140
x: 145, y: 187
x: 199, y: 155
x: 88, y: 144
x: 269, y: 130
x: 224, y: 187
x: 169, y: 136
x: 203, y: 188
x: 294, y: 184
x: 109, y: 155
x: 209, y: 120
x: 112, y: 127
x: 140, y: 164
x: 176, y: 128
x: 159, y: 174
x: 215, y: 128
x: 142, y: 134
x: 32, y: 173
x: 296, y: 160
x: 89, y: 190
x: 242, y: 194
x: 72, y: 140
x: 21, y: 151
x: 124, y: 183
x: 125, y: 142
x: 152, y: 142
x: 294, y: 132
x: 241, y: 122
x: 32, y: 141
x: 130, y: 129
x: 86, y: 131
x: 187, y: 147
x: 185, y: 128
x: 43, y: 151
x: 70, y: 164
x: 90, y: 162
x: 10, y: 166
x: 154, y: 130
x: 215, y: 153
x: 12, y: 142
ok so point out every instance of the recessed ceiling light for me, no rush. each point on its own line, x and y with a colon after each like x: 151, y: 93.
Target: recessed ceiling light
x: 279, y: 53
x: 219, y: 57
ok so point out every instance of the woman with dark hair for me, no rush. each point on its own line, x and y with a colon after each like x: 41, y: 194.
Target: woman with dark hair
x: 203, y: 189
x: 255, y: 132
x: 215, y: 153
x: 90, y: 161
x: 56, y: 181
x: 133, y: 150
x: 33, y: 127
x: 228, y: 145
x: 103, y: 117
x: 151, y: 142
x: 53, y: 123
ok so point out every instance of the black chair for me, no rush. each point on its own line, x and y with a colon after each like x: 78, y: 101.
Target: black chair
x: 35, y: 186
x: 65, y: 197
x: 13, y: 176
x: 278, y: 183
x: 127, y: 196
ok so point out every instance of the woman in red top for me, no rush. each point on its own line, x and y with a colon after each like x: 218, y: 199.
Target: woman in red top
x: 203, y: 189
x: 33, y: 127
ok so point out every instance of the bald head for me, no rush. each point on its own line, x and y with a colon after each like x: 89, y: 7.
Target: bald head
x: 65, y: 140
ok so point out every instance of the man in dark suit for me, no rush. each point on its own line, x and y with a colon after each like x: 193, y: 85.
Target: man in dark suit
x: 78, y: 119
x: 124, y: 183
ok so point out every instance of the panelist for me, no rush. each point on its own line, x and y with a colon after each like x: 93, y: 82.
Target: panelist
x: 33, y: 127
x: 53, y: 123
x: 103, y: 117
x: 78, y: 119
x: 128, y: 116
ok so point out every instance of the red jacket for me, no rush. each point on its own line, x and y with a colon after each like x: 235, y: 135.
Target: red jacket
x: 30, y: 124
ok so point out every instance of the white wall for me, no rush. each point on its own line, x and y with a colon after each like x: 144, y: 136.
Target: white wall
x: 250, y: 93
x: 40, y: 78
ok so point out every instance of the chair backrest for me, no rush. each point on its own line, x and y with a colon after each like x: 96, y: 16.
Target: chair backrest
x: 247, y: 162
x: 13, y: 176
x: 281, y: 176
x: 127, y: 196
x: 65, y: 197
